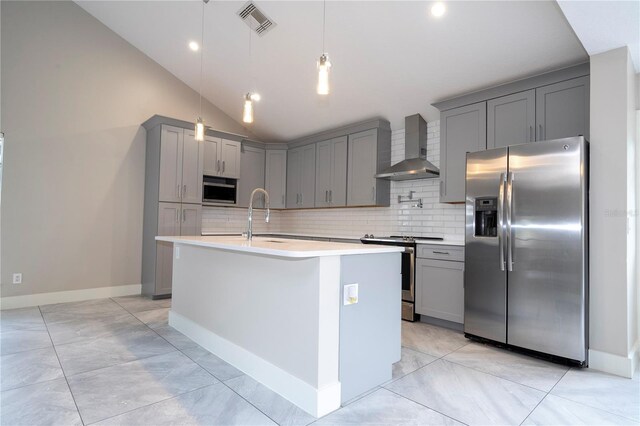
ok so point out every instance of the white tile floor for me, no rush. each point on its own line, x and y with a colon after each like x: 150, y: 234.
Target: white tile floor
x: 116, y: 361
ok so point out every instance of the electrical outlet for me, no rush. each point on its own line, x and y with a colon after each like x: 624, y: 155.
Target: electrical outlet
x: 17, y: 278
x: 350, y: 294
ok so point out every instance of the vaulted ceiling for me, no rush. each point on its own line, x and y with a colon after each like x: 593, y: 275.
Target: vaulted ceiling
x: 390, y: 58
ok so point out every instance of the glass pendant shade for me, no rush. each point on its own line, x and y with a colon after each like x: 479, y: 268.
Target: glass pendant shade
x: 247, y: 113
x: 324, y: 66
x: 199, y: 130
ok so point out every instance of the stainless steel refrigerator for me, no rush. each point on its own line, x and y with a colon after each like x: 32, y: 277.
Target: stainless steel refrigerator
x: 526, y: 260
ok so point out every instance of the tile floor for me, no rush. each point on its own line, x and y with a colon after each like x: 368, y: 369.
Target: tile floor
x: 117, y: 362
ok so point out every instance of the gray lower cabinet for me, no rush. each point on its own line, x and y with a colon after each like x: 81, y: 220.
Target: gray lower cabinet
x: 440, y: 289
x: 331, y: 173
x: 511, y: 119
x: 462, y: 130
x: 368, y: 153
x: 275, y: 177
x: 301, y: 177
x: 251, y: 175
x: 562, y: 109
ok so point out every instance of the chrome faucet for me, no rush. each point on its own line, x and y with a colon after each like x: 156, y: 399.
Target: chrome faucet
x: 250, y: 218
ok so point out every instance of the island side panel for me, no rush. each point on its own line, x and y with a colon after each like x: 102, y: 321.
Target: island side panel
x: 370, y: 330
x: 281, y: 312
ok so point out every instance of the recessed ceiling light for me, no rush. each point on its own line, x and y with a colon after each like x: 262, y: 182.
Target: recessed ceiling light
x: 438, y: 9
x: 194, y: 46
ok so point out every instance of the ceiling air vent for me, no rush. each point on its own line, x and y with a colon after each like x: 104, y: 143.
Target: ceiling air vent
x: 256, y: 19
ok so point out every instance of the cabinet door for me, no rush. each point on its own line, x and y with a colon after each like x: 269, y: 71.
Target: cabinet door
x: 192, y: 165
x: 511, y: 119
x: 324, y: 165
x: 251, y: 176
x: 164, y: 267
x: 212, y: 164
x: 275, y: 179
x: 462, y: 130
x: 440, y: 289
x: 361, y: 183
x: 338, y: 189
x: 230, y: 156
x: 294, y: 157
x: 562, y: 109
x: 170, y: 184
x: 191, y: 220
x: 168, y: 219
x: 308, y: 176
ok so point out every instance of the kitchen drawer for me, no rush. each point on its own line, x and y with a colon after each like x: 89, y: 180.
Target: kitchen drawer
x: 432, y: 251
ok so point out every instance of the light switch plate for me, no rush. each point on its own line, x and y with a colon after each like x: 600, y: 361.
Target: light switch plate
x: 350, y: 294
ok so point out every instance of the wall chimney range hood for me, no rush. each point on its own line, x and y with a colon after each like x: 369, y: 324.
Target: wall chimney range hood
x: 415, y: 165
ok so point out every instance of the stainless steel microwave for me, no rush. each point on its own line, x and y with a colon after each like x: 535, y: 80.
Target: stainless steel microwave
x: 219, y: 190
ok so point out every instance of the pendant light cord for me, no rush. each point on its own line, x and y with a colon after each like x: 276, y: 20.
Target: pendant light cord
x: 324, y: 16
x: 201, y: 55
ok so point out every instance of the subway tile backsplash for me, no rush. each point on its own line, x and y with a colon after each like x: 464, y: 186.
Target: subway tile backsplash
x: 434, y: 218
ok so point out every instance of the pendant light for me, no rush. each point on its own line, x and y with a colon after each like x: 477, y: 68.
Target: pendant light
x: 199, y: 129
x: 249, y: 97
x: 324, y: 65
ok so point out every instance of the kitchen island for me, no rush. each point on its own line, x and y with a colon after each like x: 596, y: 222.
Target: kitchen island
x: 277, y: 310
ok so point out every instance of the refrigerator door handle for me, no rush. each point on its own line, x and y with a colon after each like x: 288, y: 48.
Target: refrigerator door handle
x: 501, y: 219
x: 510, y: 179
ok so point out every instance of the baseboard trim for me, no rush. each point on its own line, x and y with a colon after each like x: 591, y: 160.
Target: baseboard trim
x: 317, y: 402
x: 13, y: 302
x: 614, y: 364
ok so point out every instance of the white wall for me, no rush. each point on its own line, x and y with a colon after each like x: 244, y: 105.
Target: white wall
x: 434, y: 219
x: 613, y: 279
x: 74, y: 95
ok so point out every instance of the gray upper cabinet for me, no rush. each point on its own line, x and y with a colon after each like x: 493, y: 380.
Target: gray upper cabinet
x: 251, y: 175
x: 301, y: 177
x: 180, y: 178
x: 212, y: 149
x: 230, y: 155
x: 368, y: 153
x: 331, y: 173
x: 275, y: 179
x: 462, y: 130
x: 170, y: 184
x: 192, y: 164
x: 221, y: 157
x: 511, y: 119
x: 562, y: 109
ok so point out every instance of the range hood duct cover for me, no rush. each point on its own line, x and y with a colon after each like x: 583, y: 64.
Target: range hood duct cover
x: 416, y: 165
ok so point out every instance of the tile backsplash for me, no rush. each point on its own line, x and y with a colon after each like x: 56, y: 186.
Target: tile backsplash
x: 434, y: 218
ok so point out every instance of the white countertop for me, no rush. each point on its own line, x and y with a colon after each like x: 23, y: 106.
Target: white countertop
x: 281, y: 246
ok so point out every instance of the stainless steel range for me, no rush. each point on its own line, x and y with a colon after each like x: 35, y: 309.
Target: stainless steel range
x: 408, y: 267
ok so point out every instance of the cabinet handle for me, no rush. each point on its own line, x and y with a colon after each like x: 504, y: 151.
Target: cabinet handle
x: 530, y: 133
x: 222, y: 166
x: 441, y: 188
x: 326, y: 196
x: 177, y: 215
x: 184, y: 191
x: 178, y: 191
x: 440, y: 252
x: 184, y: 216
x: 218, y: 166
x: 373, y: 193
x: 540, y: 135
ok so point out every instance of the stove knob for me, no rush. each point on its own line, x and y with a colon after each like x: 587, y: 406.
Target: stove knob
x: 366, y: 235
x: 371, y: 236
